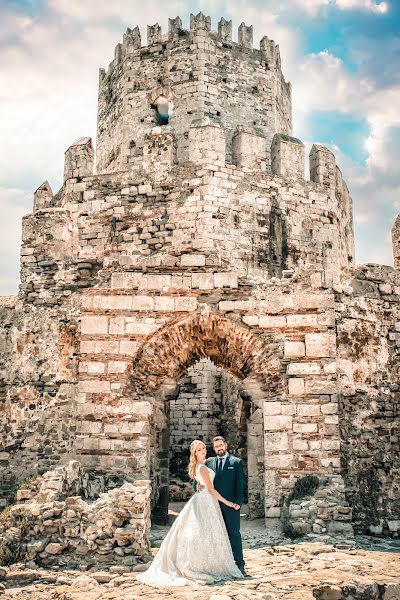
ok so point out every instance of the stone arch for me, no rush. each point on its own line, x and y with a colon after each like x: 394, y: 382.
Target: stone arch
x: 163, y: 360
x: 169, y: 352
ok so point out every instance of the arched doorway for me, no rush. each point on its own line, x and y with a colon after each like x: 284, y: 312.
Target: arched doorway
x: 250, y: 374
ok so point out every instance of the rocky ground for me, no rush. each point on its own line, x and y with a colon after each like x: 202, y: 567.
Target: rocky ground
x: 278, y: 568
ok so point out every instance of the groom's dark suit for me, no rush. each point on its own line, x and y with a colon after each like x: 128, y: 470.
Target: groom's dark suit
x: 230, y: 484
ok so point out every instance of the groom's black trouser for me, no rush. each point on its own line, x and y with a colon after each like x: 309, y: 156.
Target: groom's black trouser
x: 232, y: 522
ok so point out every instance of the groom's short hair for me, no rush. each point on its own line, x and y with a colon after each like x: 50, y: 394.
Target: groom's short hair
x: 219, y: 438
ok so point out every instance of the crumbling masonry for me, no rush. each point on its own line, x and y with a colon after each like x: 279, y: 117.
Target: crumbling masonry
x: 198, y: 283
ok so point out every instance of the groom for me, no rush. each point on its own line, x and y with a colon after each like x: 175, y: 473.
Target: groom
x: 229, y: 482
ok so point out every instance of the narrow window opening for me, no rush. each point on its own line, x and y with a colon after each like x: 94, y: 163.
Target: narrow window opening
x: 163, y: 110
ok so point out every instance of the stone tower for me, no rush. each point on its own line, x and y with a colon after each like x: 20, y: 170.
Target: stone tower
x: 199, y: 283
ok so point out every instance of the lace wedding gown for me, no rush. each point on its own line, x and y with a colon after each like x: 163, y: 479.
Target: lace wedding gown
x: 196, y: 549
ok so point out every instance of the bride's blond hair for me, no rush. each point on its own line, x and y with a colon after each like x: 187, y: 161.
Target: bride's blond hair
x: 192, y: 461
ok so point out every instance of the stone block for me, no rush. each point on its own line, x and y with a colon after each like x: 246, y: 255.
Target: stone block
x: 272, y: 321
x: 303, y: 368
x: 331, y: 419
x: 249, y: 149
x: 287, y: 156
x: 279, y: 461
x: 185, y: 303
x: 94, y: 386
x: 206, y: 143
x: 278, y: 422
x: 320, y: 386
x: 53, y: 548
x: 113, y: 302
x: 294, y: 349
x: 272, y: 408
x: 296, y: 386
x: 330, y: 444
x: 276, y: 441
x: 193, y: 260
x: 203, y: 281
x: 307, y: 320
x: 116, y: 325
x: 117, y: 366
x: 95, y: 368
x: 329, y: 409
x: 93, y: 324
x: 158, y: 282
x: 142, y: 303
x: 320, y: 345
x: 225, y: 279
x: 305, y: 427
x: 164, y: 303
x: 79, y: 159
x: 99, y: 346
x: 250, y: 320
x: 322, y: 166
x: 128, y: 347
x: 299, y: 443
x: 140, y: 328
x: 308, y: 410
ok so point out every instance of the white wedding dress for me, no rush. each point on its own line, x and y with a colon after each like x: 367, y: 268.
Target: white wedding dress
x: 196, y: 549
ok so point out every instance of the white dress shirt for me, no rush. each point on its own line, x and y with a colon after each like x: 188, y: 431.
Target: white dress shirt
x: 224, y: 457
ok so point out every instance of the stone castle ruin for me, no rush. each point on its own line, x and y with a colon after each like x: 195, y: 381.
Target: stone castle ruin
x: 197, y: 283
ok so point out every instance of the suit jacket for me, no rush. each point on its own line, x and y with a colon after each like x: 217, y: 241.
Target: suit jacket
x: 230, y: 482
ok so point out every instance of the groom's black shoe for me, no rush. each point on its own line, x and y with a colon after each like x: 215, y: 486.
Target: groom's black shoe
x: 243, y: 572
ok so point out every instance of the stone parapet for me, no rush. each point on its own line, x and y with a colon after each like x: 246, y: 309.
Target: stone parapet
x: 79, y: 159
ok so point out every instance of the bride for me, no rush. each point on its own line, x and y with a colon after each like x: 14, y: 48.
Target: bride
x: 196, y: 549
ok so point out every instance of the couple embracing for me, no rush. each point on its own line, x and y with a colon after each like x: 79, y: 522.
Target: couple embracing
x: 204, y: 544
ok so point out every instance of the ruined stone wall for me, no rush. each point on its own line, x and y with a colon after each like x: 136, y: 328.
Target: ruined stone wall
x: 300, y: 429
x: 52, y: 524
x: 38, y: 375
x: 234, y: 217
x: 367, y: 307
x: 203, y: 73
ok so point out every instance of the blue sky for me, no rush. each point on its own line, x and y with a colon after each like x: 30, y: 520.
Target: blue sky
x: 342, y: 57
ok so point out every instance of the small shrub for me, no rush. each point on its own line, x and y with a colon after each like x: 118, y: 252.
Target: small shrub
x: 305, y: 486
x: 32, y: 483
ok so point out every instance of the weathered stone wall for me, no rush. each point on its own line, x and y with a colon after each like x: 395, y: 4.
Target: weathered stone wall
x: 232, y: 217
x: 38, y: 376
x: 297, y: 325
x: 202, y: 239
x: 54, y: 525
x: 202, y: 73
x: 368, y: 317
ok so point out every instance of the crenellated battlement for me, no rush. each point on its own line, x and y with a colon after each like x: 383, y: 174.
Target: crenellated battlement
x: 200, y: 23
x: 198, y: 73
x: 195, y: 106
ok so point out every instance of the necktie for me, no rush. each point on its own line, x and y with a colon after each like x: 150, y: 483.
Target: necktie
x: 219, y: 466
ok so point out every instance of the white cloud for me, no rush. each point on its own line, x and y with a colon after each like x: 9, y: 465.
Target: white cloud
x: 322, y: 83
x: 312, y: 6
x: 48, y: 83
x: 369, y: 5
x: 15, y: 203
